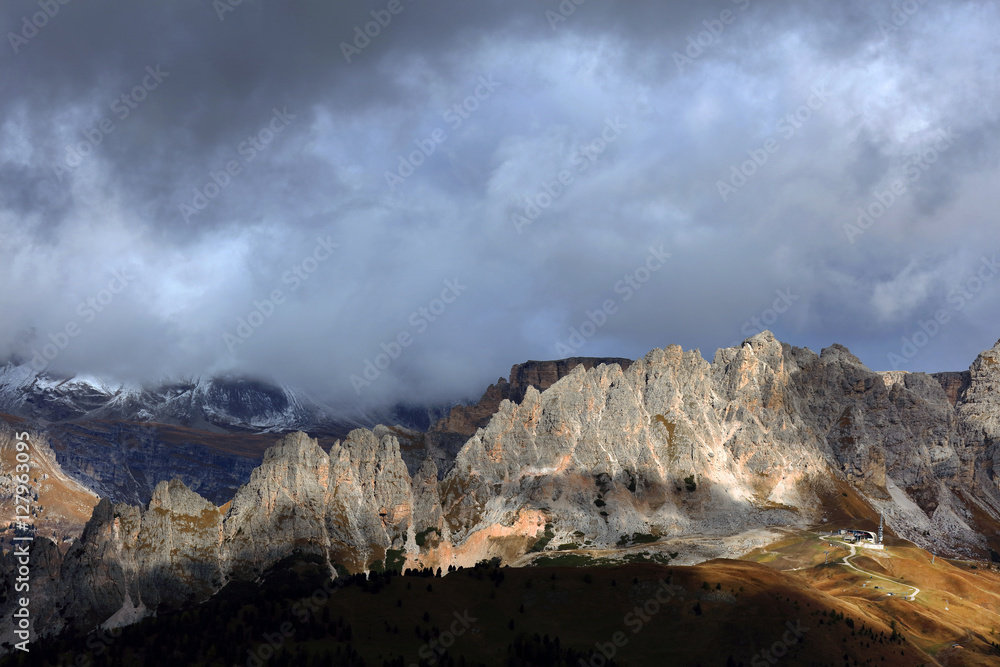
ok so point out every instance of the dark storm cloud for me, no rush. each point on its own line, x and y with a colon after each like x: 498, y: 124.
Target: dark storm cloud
x: 218, y: 155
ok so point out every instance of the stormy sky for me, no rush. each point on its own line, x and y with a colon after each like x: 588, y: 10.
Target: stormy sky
x: 292, y: 189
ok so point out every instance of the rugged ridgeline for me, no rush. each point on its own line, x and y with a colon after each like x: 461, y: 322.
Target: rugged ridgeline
x: 217, y: 404
x: 765, y: 434
x: 673, y: 446
x: 445, y: 438
x: 97, y: 434
x: 120, y: 440
x: 212, y: 405
x: 351, y: 505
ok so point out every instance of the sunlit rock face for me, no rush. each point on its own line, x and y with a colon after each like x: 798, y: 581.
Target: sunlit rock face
x: 763, y: 435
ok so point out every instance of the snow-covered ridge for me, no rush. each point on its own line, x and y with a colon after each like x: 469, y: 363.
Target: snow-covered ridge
x: 225, y: 403
x: 220, y: 403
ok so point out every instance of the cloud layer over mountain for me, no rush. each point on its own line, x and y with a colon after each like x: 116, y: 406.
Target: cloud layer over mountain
x: 293, y: 189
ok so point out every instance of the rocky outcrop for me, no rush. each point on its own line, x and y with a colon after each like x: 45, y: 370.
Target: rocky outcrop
x: 281, y: 507
x: 543, y: 374
x: 954, y: 384
x: 446, y: 437
x: 979, y: 417
x: 760, y: 436
x: 371, y: 507
x: 669, y: 445
x: 351, y: 506
x: 162, y: 555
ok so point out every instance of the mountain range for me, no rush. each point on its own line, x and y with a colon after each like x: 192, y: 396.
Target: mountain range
x: 120, y: 439
x: 219, y: 404
x: 683, y: 458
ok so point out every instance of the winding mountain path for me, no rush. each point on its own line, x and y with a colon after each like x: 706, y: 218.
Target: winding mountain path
x: 846, y: 560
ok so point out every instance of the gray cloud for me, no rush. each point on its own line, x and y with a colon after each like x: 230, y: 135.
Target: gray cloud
x: 886, y: 92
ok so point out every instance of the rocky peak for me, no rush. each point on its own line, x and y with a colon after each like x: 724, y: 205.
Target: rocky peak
x: 175, y: 497
x: 760, y: 340
x: 295, y: 447
x: 893, y: 378
x: 543, y: 374
x: 762, y: 346
x: 444, y: 440
x: 351, y: 507
x: 103, y: 514
x: 837, y: 353
x: 988, y: 362
x: 980, y: 407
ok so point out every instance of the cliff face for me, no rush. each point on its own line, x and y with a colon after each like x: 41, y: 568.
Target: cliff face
x: 124, y: 461
x: 761, y: 436
x: 669, y: 445
x: 612, y: 451
x: 467, y: 419
x: 159, y: 556
x: 979, y: 419
x: 954, y: 384
x: 445, y: 438
x: 543, y: 374
x: 352, y: 505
